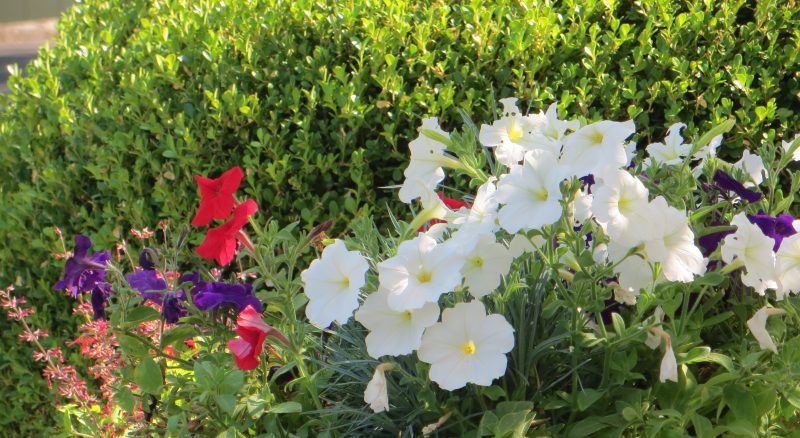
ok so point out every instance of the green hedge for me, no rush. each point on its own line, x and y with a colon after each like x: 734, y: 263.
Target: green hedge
x: 317, y: 101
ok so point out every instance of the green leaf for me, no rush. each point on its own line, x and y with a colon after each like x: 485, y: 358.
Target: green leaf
x: 286, y: 408
x: 587, y: 397
x: 618, y: 323
x: 148, y: 376
x: 494, y: 392
x: 232, y: 382
x: 226, y: 402
x: 741, y: 403
x: 124, y: 397
x: 488, y: 424
x: 131, y: 346
x: 142, y: 314
x: 176, y: 334
x: 514, y: 424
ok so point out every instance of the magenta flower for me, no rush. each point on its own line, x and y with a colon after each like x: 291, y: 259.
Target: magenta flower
x: 82, y: 272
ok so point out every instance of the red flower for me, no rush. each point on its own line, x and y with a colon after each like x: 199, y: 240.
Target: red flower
x: 220, y: 242
x: 252, y: 331
x: 450, y: 203
x: 216, y: 196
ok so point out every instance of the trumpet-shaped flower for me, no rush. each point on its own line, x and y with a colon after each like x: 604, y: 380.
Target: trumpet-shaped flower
x: 671, y: 242
x: 485, y: 266
x: 216, y: 196
x: 727, y: 182
x: 758, y: 327
x: 511, y: 136
x: 598, y: 146
x: 332, y: 283
x: 252, y: 331
x: 669, y: 366
x: 550, y: 130
x: 420, y: 272
x: 749, y: 245
x: 220, y: 242
x: 482, y: 215
x: 425, y: 169
x: 707, y: 152
x: 754, y: 166
x: 620, y: 205
x: 673, y: 150
x: 531, y: 193
x: 82, y: 271
x: 467, y: 346
x: 393, y: 332
x: 376, y: 394
x: 787, y: 265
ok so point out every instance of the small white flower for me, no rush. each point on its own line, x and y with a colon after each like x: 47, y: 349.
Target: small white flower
x: 420, y: 272
x: 671, y: 242
x: 485, y: 266
x: 531, y: 193
x: 468, y: 346
x: 424, y: 171
x: 653, y: 340
x: 376, y: 394
x: 332, y: 283
x: 597, y: 146
x: 787, y: 265
x: 754, y: 166
x: 620, y: 206
x: 758, y: 327
x: 511, y: 135
x: 749, y: 245
x: 393, y: 332
x: 673, y: 150
x: 786, y: 145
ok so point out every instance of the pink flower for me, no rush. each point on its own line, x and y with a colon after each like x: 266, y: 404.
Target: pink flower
x: 252, y: 331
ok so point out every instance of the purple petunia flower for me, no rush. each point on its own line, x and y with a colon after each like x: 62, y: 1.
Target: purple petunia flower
x: 775, y: 227
x: 153, y: 288
x: 100, y: 293
x: 82, y: 272
x: 207, y: 296
x: 727, y: 182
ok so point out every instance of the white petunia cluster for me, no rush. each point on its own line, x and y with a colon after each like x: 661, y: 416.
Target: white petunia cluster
x: 548, y: 172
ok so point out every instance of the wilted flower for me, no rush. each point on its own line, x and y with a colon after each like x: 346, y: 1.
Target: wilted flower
x: 758, y: 327
x: 332, y: 283
x: 376, y: 394
x: 468, y: 346
x: 425, y: 169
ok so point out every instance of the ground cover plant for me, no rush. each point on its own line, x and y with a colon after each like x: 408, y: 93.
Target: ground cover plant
x: 317, y: 103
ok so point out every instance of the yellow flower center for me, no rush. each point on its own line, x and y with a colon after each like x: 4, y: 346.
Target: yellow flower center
x: 407, y: 315
x: 514, y: 132
x: 345, y: 282
x: 469, y: 348
x: 596, y: 137
x: 424, y: 277
x: 476, y: 261
x: 541, y: 195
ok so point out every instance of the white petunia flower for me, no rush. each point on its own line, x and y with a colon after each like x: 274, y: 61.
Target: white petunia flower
x: 511, y: 135
x: 758, y: 327
x: 420, y: 272
x: 620, y: 206
x: 376, y: 394
x: 671, y: 242
x: 598, y: 146
x: 531, y: 193
x: 425, y: 169
x: 583, y: 206
x: 468, y: 346
x: 549, y: 130
x: 480, y: 218
x: 673, y: 150
x: 749, y: 245
x: 332, y: 283
x: 787, y: 265
x: 754, y: 166
x: 393, y: 332
x: 520, y: 245
x: 787, y: 145
x: 485, y: 266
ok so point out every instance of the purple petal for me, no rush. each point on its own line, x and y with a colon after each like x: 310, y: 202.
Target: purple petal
x: 216, y: 294
x: 726, y: 182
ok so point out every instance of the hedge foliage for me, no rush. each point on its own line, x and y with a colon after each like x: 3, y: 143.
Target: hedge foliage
x: 317, y: 101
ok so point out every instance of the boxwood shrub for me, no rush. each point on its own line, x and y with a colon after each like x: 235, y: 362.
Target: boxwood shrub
x: 317, y: 101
